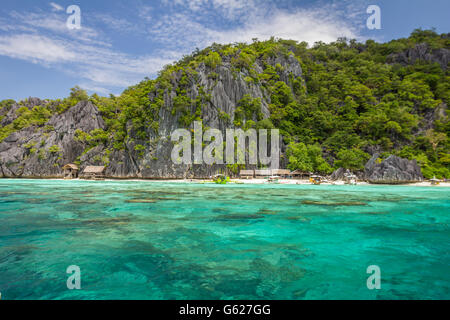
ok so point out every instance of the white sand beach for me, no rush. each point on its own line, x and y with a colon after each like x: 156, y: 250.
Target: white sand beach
x: 296, y: 182
x: 259, y: 181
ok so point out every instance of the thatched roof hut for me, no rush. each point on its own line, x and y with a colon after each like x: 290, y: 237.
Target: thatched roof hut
x: 300, y: 174
x: 281, y: 172
x: 95, y: 172
x: 94, y: 169
x: 70, y: 171
x: 71, y: 166
x: 263, y: 173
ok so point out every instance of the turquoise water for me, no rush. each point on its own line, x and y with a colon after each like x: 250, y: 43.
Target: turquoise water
x: 156, y: 240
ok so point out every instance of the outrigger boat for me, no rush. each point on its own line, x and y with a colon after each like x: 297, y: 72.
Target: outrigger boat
x: 317, y: 180
x: 273, y: 179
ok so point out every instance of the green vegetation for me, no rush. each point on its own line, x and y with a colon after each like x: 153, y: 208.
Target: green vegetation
x: 29, y: 145
x: 246, y: 110
x: 222, y: 180
x: 76, y: 95
x: 213, y: 59
x: 54, y: 149
x: 37, y: 116
x: 307, y: 158
x: 6, y: 104
x: 353, y: 159
x: 42, y: 155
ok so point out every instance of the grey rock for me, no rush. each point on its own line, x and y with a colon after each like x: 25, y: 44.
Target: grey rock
x: 423, y: 52
x: 339, y: 174
x: 343, y: 174
x: 26, y: 153
x: 393, y: 170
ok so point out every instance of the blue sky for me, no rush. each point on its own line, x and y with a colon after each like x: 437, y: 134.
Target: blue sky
x: 122, y: 42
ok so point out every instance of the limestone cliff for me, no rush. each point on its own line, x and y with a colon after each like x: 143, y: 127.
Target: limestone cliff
x: 41, y: 151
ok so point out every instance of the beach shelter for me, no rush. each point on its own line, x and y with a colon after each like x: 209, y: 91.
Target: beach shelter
x: 94, y: 172
x: 70, y: 171
x: 265, y: 173
x: 300, y: 174
x: 246, y: 174
x: 283, y: 173
x: 435, y: 181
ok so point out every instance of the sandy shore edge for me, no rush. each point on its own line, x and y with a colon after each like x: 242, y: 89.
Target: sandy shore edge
x: 243, y: 181
x: 289, y: 181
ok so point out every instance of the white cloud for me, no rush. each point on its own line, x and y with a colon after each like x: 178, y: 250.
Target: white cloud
x: 101, y: 66
x: 231, y: 9
x: 182, y: 31
x: 94, y: 88
x: 35, y: 48
x: 56, y: 24
x: 145, y: 13
x: 118, y: 24
x: 301, y: 25
x: 42, y: 37
x: 45, y: 39
x: 56, y: 7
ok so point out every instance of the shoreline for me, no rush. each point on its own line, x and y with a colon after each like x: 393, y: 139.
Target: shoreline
x: 239, y: 181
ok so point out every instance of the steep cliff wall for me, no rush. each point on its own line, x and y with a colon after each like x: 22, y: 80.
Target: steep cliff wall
x: 38, y: 151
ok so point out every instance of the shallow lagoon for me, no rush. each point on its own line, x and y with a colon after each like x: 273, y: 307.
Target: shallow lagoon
x: 160, y: 240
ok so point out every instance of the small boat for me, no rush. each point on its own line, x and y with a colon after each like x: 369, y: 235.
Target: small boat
x: 273, y: 179
x: 317, y: 180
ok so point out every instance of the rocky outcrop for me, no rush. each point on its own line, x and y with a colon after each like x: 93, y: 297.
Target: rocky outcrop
x: 338, y: 174
x: 341, y: 174
x: 393, y: 170
x: 423, y: 52
x: 226, y: 89
x: 40, y: 152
